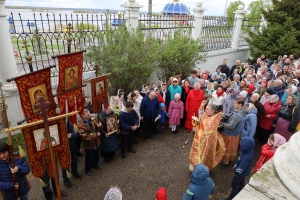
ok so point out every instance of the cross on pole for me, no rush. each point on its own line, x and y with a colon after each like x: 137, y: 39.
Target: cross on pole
x: 69, y: 28
x: 43, y: 105
x: 26, y: 47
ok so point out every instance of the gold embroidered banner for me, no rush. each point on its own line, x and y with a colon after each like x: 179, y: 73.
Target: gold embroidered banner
x: 70, y: 83
x: 31, y: 87
x: 99, y: 92
x: 37, y: 147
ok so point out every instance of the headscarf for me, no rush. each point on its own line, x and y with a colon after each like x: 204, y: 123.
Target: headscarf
x: 177, y: 95
x: 113, y: 194
x: 264, y: 82
x: 276, y: 98
x: 196, y: 86
x: 278, y: 140
x: 294, y: 89
x: 210, y: 91
x: 251, y: 88
x: 251, y: 106
x: 221, y: 93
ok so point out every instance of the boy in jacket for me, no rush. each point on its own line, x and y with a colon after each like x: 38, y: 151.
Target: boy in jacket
x: 129, y: 122
x: 7, y: 186
x: 242, y: 167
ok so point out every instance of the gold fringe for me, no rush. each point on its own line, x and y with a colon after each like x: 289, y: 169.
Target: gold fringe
x: 22, y: 152
x: 43, y: 184
x: 75, y: 127
x: 68, y: 174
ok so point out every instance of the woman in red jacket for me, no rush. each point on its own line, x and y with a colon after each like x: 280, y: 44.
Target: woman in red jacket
x: 268, y: 150
x: 192, y: 105
x: 265, y: 122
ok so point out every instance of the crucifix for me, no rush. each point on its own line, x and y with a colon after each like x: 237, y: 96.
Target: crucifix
x: 69, y: 39
x: 43, y: 105
x: 28, y: 57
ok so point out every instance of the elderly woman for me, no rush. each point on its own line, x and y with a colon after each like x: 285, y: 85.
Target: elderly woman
x: 208, y: 146
x: 109, y: 143
x: 193, y: 101
x: 277, y: 88
x: 218, y: 97
x: 290, y: 90
x: 214, y: 78
x: 271, y: 109
x: 287, y: 118
x: 267, y: 95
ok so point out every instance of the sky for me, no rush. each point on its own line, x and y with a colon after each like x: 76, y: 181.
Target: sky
x: 213, y: 7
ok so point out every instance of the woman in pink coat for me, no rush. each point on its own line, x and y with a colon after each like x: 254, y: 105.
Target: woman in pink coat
x: 176, y: 109
x: 265, y: 122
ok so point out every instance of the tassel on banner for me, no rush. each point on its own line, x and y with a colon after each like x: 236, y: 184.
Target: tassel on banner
x: 22, y: 152
x: 75, y: 127
x: 43, y: 184
x: 68, y: 174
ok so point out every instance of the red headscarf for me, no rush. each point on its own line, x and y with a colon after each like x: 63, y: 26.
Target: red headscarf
x: 251, y: 88
x: 221, y: 93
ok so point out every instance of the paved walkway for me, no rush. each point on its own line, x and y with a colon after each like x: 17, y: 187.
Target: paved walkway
x: 162, y: 162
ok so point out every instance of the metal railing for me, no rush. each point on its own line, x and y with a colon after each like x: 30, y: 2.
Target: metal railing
x: 217, y: 32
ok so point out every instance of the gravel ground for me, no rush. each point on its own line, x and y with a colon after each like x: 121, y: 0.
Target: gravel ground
x: 161, y: 162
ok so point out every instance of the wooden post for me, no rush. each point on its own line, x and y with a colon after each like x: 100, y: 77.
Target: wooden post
x: 97, y: 70
x: 43, y: 105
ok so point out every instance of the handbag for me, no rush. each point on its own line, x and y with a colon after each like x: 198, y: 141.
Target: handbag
x: 298, y: 125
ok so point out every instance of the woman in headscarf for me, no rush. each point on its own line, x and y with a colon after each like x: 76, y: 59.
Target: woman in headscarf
x: 250, y: 89
x: 262, y: 88
x: 185, y: 91
x: 271, y: 109
x: 210, y: 88
x: 208, y: 146
x: 121, y: 99
x: 218, y: 97
x: 145, y: 90
x: 193, y: 101
x: 228, y: 106
x: 290, y: 90
x: 109, y: 143
x: 287, y: 118
x: 268, y: 150
x: 214, y: 78
x: 266, y: 96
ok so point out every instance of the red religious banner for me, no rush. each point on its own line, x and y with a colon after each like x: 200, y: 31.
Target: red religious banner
x: 31, y: 87
x: 99, y: 92
x: 70, y: 83
x: 37, y: 146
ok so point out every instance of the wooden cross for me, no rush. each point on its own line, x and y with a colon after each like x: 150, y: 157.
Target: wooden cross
x: 26, y: 47
x: 69, y: 28
x: 43, y: 106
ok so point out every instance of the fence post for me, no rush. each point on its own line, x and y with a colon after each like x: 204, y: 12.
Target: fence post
x: 8, y: 66
x: 239, y: 15
x: 198, y: 20
x: 132, y: 9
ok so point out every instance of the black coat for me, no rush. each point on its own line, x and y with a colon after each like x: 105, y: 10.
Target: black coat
x: 286, y: 112
x: 225, y: 70
x: 184, y: 94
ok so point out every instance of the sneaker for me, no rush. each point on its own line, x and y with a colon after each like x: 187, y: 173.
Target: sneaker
x: 68, y: 184
x: 89, y: 173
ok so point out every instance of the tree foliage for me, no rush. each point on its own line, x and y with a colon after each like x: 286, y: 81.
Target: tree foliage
x: 253, y: 18
x: 179, y: 54
x: 127, y: 55
x: 282, y: 33
x: 233, y: 6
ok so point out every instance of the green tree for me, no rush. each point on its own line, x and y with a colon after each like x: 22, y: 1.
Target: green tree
x: 127, y: 55
x: 233, y: 6
x: 282, y: 33
x: 253, y: 19
x: 179, y: 54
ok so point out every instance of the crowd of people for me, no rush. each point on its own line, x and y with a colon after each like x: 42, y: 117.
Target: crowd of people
x: 230, y: 111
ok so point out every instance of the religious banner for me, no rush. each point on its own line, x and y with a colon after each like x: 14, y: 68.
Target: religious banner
x: 70, y: 83
x: 31, y: 87
x: 99, y: 92
x: 37, y: 146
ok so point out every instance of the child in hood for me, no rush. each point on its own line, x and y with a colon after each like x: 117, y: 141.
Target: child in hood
x: 201, y: 184
x: 242, y: 167
x: 163, y: 114
x: 268, y: 150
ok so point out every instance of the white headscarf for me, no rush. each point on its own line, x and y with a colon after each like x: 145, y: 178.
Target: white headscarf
x: 113, y: 194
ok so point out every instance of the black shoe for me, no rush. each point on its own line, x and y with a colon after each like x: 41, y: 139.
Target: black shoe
x: 135, y: 142
x: 63, y: 194
x: 80, y: 154
x: 89, y: 173
x: 97, y: 167
x: 68, y: 184
x: 176, y: 131
x: 144, y: 139
x: 106, y: 159
x: 132, y: 150
x: 123, y: 155
x: 151, y: 137
x: 77, y: 175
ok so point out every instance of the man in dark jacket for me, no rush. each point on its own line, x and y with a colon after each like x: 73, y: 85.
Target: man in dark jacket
x: 242, y: 167
x: 224, y: 68
x: 21, y: 169
x: 237, y: 66
x: 149, y: 111
x: 129, y: 122
x: 260, y: 107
